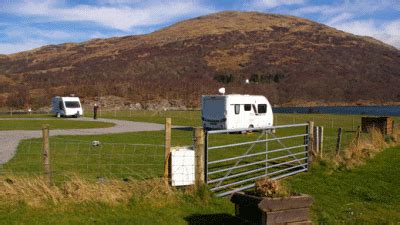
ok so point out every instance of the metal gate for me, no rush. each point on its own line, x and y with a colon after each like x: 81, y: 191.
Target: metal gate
x: 235, y: 159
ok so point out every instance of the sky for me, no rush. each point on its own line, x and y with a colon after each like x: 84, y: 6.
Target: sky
x: 25, y: 25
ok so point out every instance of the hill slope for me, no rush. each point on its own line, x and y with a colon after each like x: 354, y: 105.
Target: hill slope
x: 289, y: 59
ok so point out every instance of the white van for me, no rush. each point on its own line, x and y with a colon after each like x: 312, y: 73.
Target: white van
x: 66, y: 106
x: 226, y: 112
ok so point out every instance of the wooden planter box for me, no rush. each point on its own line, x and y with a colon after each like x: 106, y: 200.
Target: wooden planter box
x: 259, y: 210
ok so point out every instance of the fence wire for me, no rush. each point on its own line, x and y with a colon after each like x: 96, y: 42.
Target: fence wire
x: 89, y: 160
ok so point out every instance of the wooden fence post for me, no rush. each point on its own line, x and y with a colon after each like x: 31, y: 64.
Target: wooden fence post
x: 358, y: 134
x: 321, y: 145
x: 339, y: 141
x: 310, y: 148
x: 199, y: 148
x: 316, y: 140
x: 46, y: 153
x: 167, y: 148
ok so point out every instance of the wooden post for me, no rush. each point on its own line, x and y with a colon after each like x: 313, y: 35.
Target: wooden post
x: 167, y: 148
x: 332, y: 123
x: 46, y: 153
x: 321, y: 145
x: 316, y: 140
x: 339, y: 140
x: 358, y: 134
x: 199, y: 148
x: 310, y: 143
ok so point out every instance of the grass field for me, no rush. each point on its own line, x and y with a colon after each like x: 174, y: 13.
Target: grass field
x: 54, y: 124
x: 27, y: 116
x: 140, y: 155
x: 369, y: 194
x: 366, y: 195
x: 360, y: 195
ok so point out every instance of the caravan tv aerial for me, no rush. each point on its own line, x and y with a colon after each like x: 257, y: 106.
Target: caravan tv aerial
x: 222, y: 91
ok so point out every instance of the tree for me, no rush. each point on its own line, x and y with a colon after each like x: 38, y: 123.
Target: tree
x: 224, y: 78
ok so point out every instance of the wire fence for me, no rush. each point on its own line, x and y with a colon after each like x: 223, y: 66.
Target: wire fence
x: 92, y: 160
x: 141, y: 155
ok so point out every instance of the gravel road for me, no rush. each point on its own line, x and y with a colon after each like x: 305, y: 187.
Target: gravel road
x: 9, y: 140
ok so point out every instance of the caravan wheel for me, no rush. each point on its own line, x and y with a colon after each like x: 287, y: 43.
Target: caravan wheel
x: 251, y: 126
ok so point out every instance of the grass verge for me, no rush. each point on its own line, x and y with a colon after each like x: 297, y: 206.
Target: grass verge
x: 54, y: 124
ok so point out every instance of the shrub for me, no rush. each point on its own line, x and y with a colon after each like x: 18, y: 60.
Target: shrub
x: 270, y: 188
x: 224, y: 78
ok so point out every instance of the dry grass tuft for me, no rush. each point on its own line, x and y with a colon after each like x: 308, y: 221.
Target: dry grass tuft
x: 366, y: 148
x: 270, y: 188
x: 34, y: 191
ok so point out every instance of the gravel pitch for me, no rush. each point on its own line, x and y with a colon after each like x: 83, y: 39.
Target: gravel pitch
x: 9, y: 140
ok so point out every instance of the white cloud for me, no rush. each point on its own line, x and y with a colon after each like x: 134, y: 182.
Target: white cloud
x: 387, y: 32
x: 340, y: 18
x: 269, y: 4
x: 9, y: 48
x: 350, y: 16
x: 119, y: 17
x: 359, y: 7
x: 23, y: 32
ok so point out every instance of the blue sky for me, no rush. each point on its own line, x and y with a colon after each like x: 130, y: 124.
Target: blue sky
x: 29, y: 24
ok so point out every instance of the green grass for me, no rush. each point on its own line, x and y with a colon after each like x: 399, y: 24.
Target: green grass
x: 340, y: 196
x: 140, y: 154
x: 187, y: 209
x: 27, y: 116
x: 54, y: 124
x: 368, y: 194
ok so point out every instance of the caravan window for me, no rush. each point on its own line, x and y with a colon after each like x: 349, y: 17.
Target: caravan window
x: 247, y: 107
x: 237, y: 109
x: 72, y: 105
x: 262, y: 108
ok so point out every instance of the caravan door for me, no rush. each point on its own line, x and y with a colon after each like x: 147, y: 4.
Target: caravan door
x: 235, y: 116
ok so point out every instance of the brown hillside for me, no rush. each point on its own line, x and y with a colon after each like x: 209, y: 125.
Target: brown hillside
x: 289, y: 59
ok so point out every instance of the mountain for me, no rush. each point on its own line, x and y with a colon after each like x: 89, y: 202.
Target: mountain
x: 290, y: 60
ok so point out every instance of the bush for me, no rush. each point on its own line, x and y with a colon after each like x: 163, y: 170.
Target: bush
x: 224, y: 78
x: 270, y: 188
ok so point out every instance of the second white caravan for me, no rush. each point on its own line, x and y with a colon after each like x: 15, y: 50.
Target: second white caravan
x: 226, y: 112
x: 66, y: 106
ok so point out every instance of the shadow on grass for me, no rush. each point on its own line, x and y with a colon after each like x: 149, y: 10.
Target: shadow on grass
x: 214, y: 219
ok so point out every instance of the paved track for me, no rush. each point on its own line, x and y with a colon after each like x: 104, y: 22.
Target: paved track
x: 9, y: 140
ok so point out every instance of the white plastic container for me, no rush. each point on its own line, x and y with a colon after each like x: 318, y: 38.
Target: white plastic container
x: 182, y: 166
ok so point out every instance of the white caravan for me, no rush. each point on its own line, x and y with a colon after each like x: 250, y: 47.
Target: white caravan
x: 226, y: 112
x: 66, y: 106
